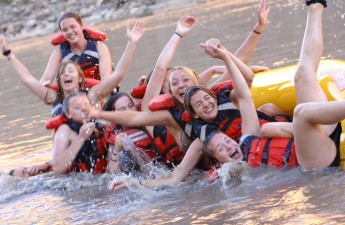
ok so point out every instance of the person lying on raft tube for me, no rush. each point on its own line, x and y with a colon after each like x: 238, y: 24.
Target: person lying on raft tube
x: 308, y: 127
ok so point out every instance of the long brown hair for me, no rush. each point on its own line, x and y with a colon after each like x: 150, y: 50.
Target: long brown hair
x: 191, y: 91
x: 60, y: 95
x: 110, y: 104
x: 73, y: 15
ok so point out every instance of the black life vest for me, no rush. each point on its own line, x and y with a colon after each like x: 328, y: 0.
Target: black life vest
x: 92, y: 156
x: 88, y: 60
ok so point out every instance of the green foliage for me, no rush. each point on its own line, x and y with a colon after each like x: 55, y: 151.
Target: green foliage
x: 10, y: 1
x: 5, y: 1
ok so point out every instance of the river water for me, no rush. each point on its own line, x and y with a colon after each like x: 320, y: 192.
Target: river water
x: 257, y: 196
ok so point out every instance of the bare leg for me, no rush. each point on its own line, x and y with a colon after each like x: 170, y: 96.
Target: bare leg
x: 314, y: 148
x: 306, y: 82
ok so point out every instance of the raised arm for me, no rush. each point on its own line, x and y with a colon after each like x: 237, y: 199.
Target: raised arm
x: 244, y: 53
x: 135, y: 118
x: 246, y: 72
x: 52, y: 68
x: 107, y: 85
x: 206, y: 75
x: 184, y: 25
x: 250, y: 120
x: 105, y: 62
x: 190, y: 160
x: 45, y: 94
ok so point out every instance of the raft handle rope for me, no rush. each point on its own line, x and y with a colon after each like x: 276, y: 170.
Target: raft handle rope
x: 256, y: 32
x: 178, y: 34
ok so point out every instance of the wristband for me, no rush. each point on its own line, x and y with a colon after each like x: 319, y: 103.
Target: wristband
x: 256, y: 32
x: 7, y: 52
x: 178, y: 34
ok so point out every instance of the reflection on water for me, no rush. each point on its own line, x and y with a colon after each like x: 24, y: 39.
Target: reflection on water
x: 256, y: 196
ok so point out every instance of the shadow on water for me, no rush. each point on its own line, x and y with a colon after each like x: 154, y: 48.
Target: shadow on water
x: 260, y: 196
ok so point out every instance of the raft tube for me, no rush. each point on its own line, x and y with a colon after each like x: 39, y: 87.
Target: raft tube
x: 277, y: 86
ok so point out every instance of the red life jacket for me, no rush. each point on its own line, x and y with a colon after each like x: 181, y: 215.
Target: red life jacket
x: 55, y: 122
x: 276, y: 152
x: 138, y: 92
x: 212, y: 175
x: 89, y: 82
x: 221, y: 86
x: 232, y: 126
x: 161, y: 102
x: 140, y: 138
x: 165, y: 147
x: 92, y: 34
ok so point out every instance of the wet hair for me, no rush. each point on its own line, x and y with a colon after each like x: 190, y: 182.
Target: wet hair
x: 191, y: 91
x: 205, y: 146
x: 73, y: 15
x: 60, y: 95
x: 110, y: 104
x: 194, y: 78
x: 66, y: 101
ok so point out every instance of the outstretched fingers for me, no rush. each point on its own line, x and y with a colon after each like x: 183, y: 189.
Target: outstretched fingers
x: 263, y: 13
x: 136, y: 32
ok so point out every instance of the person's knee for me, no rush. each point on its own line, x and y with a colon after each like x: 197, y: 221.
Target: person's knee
x: 301, y: 112
x: 300, y: 74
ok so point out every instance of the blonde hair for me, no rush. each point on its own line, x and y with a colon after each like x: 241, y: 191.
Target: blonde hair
x: 194, y: 78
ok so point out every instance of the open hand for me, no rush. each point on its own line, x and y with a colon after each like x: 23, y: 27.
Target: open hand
x: 137, y: 31
x: 263, y: 13
x: 119, y: 184
x: 86, y: 130
x: 185, y: 24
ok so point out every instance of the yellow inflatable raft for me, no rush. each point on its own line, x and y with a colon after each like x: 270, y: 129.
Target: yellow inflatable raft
x: 277, y: 86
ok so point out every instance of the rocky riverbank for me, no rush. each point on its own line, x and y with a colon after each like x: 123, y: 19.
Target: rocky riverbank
x: 30, y: 18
